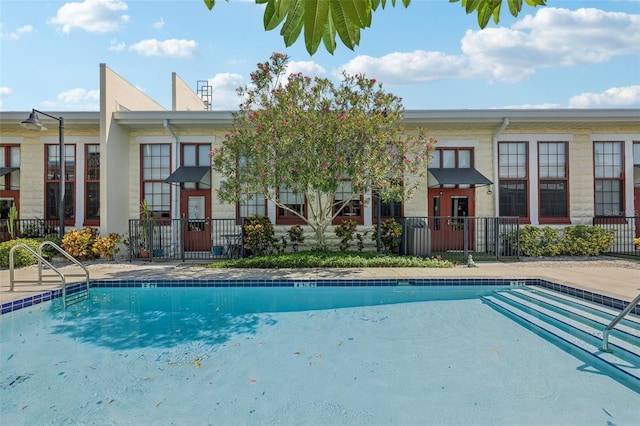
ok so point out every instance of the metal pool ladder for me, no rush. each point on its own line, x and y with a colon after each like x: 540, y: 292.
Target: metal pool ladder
x: 75, y: 297
x: 615, y: 321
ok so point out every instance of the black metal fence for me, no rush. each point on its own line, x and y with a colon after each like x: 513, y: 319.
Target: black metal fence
x: 184, y: 239
x: 30, y: 228
x: 482, y: 237
x: 626, y: 229
x: 211, y: 239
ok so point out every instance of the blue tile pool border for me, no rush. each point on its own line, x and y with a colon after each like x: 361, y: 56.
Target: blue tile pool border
x: 433, y: 282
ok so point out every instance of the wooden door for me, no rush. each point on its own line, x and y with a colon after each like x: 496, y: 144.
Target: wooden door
x: 195, y: 207
x: 449, y: 210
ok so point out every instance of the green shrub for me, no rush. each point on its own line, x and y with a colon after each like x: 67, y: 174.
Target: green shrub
x: 530, y: 241
x: 536, y: 242
x: 296, y: 236
x: 582, y: 240
x: 577, y: 240
x: 346, y: 233
x: 105, y: 247
x: 21, y: 257
x: 327, y: 259
x: 259, y: 235
x: 79, y: 244
x: 390, y: 233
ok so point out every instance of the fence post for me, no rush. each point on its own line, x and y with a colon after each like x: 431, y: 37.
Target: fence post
x: 183, y: 224
x: 465, y: 236
x: 496, y: 236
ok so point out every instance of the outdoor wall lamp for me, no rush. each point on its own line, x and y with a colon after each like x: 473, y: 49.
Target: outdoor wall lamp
x: 34, y: 123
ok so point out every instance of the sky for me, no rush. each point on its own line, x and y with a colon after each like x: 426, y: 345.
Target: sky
x: 569, y: 54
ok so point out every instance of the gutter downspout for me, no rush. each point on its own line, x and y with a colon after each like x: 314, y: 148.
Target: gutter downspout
x: 175, y: 189
x: 496, y: 168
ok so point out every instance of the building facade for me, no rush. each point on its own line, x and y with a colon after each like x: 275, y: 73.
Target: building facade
x: 546, y: 166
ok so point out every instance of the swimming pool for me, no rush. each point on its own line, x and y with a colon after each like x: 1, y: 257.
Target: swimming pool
x: 151, y: 353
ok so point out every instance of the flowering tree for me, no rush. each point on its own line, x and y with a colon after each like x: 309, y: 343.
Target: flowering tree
x: 321, y: 20
x: 311, y: 136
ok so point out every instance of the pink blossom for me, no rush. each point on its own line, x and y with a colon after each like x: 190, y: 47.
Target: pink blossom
x: 297, y: 169
x: 324, y: 167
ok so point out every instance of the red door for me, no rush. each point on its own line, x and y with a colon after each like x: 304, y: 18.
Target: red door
x: 448, y: 211
x: 195, y: 206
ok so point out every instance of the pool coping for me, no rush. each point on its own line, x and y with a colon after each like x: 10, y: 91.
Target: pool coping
x: 50, y: 295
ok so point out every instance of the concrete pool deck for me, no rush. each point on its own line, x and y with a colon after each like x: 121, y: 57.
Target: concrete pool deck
x: 616, y: 278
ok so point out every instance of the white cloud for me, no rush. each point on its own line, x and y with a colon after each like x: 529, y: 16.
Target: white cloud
x: 614, y: 97
x: 75, y: 99
x: 159, y: 24
x: 116, y: 46
x: 4, y: 91
x: 550, y: 38
x: 223, y: 91
x: 99, y: 16
x: 18, y: 33
x: 173, y: 48
x: 75, y: 96
x: 307, y: 68
x: 418, y: 66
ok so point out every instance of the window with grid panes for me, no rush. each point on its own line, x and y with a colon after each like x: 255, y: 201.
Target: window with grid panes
x: 156, y: 167
x: 52, y: 181
x: 608, y: 161
x: 553, y: 179
x: 513, y: 179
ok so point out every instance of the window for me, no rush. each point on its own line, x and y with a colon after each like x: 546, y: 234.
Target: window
x: 52, y: 182
x: 9, y: 179
x: 293, y: 201
x: 92, y: 185
x: 390, y: 209
x: 554, y: 185
x: 452, y: 158
x: 10, y: 160
x: 252, y: 205
x: 197, y: 155
x: 352, y: 210
x: 608, y: 163
x: 512, y: 172
x: 156, y: 167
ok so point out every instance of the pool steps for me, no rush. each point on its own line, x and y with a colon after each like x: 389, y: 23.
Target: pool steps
x: 565, y: 320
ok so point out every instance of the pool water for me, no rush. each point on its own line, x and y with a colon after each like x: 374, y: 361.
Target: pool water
x: 364, y: 355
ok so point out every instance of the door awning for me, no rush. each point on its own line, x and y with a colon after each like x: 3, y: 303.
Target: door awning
x: 7, y: 170
x: 187, y: 174
x: 451, y: 176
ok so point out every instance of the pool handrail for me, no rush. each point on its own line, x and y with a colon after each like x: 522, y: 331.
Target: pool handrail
x: 615, y: 321
x: 67, y: 256
x: 41, y: 260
